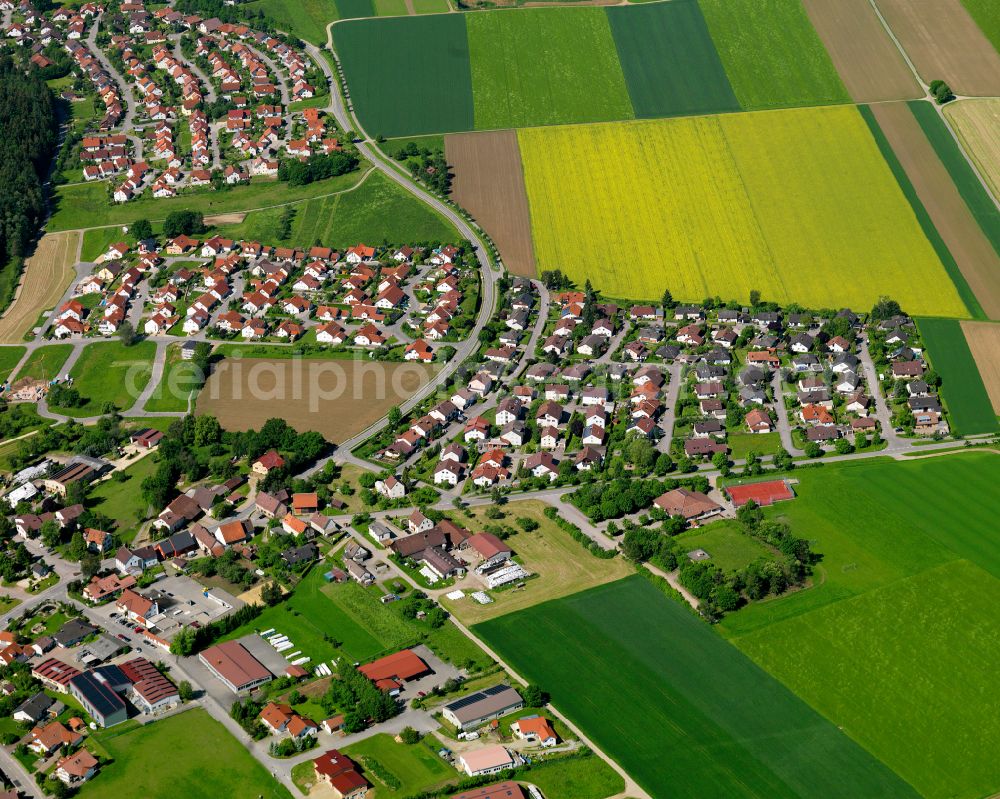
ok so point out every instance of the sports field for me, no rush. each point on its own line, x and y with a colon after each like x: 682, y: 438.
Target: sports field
x: 773, y: 56
x: 908, y: 577
x: 680, y: 709
x: 544, y: 66
x: 195, y: 745
x: 797, y: 204
x: 962, y: 389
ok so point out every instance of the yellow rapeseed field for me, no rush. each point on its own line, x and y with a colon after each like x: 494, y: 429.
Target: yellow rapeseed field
x: 798, y: 204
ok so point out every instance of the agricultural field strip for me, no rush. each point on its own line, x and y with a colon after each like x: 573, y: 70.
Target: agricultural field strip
x: 739, y: 223
x: 984, y: 342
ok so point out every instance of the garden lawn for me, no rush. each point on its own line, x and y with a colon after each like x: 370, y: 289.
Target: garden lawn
x: 969, y: 408
x: 742, y: 443
x: 110, y: 372
x: 685, y: 713
x: 545, y: 66
x: 417, y: 767
x: 197, y: 745
x: 97, y: 241
x: 87, y: 205
x: 722, y: 205
x: 576, y: 778
x: 176, y: 384
x: 670, y: 64
x: 986, y: 13
x: 400, y: 83
x: 123, y: 501
x: 772, y: 54
x: 729, y: 548
x: 9, y: 358
x: 563, y: 565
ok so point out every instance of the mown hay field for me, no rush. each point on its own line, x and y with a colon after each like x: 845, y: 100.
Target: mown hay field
x: 911, y: 584
x: 543, y: 66
x: 984, y: 342
x: 977, y: 123
x: 773, y: 56
x: 799, y: 205
x: 685, y: 713
x: 962, y: 388
x: 986, y: 13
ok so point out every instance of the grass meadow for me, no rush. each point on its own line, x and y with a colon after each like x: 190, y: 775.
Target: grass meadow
x: 903, y: 616
x: 176, y: 384
x: 986, y: 13
x: 962, y: 390
x: 196, y: 745
x: 544, y: 66
x: 110, y: 372
x: 306, y: 19
x: 680, y: 709
x: 376, y: 211
x: 9, y: 358
x: 772, y: 53
x: 720, y: 205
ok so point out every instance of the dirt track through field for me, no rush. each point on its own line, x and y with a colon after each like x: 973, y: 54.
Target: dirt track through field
x: 978, y: 125
x: 489, y: 184
x: 47, y: 273
x: 338, y: 398
x: 973, y: 253
x: 984, y: 342
x: 944, y: 43
x: 868, y: 61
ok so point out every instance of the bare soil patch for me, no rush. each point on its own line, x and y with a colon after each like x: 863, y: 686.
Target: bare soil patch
x: 47, y: 274
x: 226, y: 219
x: 972, y: 251
x: 338, y: 398
x: 977, y: 123
x: 984, y: 342
x: 945, y: 43
x: 868, y: 61
x: 489, y: 184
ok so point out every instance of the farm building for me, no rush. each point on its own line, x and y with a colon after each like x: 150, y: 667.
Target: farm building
x: 475, y: 709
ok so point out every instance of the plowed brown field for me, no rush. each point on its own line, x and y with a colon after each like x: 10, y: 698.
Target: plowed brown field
x: 984, y: 342
x: 868, y: 61
x: 489, y: 184
x: 972, y: 251
x: 944, y: 43
x: 338, y: 398
x: 47, y: 273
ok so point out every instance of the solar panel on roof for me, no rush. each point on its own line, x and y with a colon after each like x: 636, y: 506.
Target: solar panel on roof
x: 471, y: 699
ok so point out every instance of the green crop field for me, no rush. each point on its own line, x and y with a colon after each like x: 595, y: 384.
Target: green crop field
x: 670, y: 64
x: 376, y: 211
x: 772, y: 54
x: 798, y: 204
x: 351, y: 9
x: 680, y: 709
x: 400, y: 84
x: 110, y: 372
x: 969, y: 408
x: 543, y: 66
x: 909, y: 580
x: 986, y: 13
x: 196, y: 745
